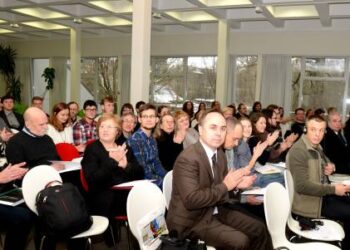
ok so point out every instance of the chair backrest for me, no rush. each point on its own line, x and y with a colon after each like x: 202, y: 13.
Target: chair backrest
x: 168, y: 187
x: 66, y: 151
x: 83, y: 181
x: 35, y: 180
x: 143, y: 199
x: 276, y: 206
x: 288, y: 179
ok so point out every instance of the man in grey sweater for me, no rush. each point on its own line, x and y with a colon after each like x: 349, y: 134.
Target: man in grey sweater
x: 315, y: 196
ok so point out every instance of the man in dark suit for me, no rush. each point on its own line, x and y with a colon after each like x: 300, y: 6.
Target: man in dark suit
x: 201, y: 186
x: 11, y: 118
x: 335, y: 145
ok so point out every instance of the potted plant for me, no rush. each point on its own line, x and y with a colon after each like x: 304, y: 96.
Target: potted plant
x: 49, y: 76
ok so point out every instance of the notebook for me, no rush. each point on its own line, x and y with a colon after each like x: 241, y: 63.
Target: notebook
x: 12, y: 197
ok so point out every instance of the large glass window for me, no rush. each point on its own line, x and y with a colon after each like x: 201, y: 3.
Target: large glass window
x: 177, y: 79
x: 99, y: 76
x: 318, y: 82
x: 245, y: 79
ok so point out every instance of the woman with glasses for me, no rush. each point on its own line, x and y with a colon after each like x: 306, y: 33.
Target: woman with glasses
x: 105, y: 164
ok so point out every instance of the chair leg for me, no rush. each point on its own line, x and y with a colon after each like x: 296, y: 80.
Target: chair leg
x: 88, y: 242
x: 42, y: 242
x: 128, y: 234
x: 112, y: 235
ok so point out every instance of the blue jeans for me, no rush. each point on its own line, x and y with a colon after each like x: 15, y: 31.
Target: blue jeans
x: 263, y: 180
x: 17, y: 221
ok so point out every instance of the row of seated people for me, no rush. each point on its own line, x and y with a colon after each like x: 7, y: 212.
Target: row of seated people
x: 142, y: 144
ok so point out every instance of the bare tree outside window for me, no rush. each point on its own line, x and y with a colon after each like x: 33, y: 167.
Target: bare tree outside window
x: 245, y: 73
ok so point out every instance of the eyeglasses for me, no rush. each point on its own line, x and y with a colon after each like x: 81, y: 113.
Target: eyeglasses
x: 90, y: 109
x: 108, y: 127
x: 148, y: 116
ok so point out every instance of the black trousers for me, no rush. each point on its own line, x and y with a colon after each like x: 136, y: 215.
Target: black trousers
x: 17, y: 221
x: 338, y: 208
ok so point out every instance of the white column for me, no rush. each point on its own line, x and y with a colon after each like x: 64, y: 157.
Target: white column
x: 75, y: 57
x: 222, y: 62
x: 140, y: 50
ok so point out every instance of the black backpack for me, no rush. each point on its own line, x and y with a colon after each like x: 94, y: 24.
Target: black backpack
x: 62, y: 210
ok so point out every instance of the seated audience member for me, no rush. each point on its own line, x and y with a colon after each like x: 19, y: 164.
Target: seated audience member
x: 10, y: 117
x: 334, y: 144
x: 242, y: 111
x: 201, y: 108
x: 183, y: 133
x: 216, y: 106
x: 162, y: 110
x: 196, y: 119
x: 128, y: 126
x: 16, y: 221
x: 73, y: 112
x: 233, y: 106
x: 59, y: 128
x: 309, y: 112
x: 299, y: 122
x: 188, y: 108
x: 273, y: 151
x: 138, y: 105
x: 5, y: 136
x: 256, y: 108
x: 37, y: 101
x: 201, y: 187
x: 107, y: 106
x: 320, y: 112
x: 347, y: 129
x: 239, y: 156
x: 32, y: 145
x: 315, y: 196
x: 127, y: 108
x: 227, y: 112
x: 85, y: 129
x: 168, y: 147
x: 106, y: 164
x: 242, y: 154
x: 144, y: 146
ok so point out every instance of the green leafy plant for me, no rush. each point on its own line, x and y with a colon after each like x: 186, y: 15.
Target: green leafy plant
x: 49, y: 76
x: 15, y: 88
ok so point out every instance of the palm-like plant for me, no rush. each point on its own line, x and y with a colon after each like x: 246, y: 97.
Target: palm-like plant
x: 7, y: 63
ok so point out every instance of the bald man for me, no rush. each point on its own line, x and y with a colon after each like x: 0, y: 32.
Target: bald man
x: 32, y: 145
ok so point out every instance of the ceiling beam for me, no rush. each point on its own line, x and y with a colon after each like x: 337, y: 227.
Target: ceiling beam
x: 217, y: 13
x: 278, y: 23
x: 323, y: 12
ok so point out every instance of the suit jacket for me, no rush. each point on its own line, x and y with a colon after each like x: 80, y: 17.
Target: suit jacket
x: 336, y: 151
x: 194, y: 194
x: 18, y: 117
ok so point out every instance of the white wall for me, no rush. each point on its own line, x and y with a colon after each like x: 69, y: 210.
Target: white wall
x: 241, y: 43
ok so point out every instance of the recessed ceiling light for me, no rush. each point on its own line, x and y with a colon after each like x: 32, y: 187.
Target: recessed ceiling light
x: 5, y: 31
x: 110, y: 21
x: 45, y: 25
x: 225, y: 2
x: 114, y: 6
x: 40, y: 12
x: 293, y: 11
x: 191, y: 16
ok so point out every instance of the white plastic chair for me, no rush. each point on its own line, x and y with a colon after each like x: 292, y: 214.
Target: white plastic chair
x: 167, y: 187
x: 329, y: 231
x: 36, y: 179
x: 277, y: 210
x: 143, y: 198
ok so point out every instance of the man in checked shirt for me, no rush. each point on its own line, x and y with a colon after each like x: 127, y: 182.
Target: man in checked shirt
x: 144, y: 146
x: 85, y: 129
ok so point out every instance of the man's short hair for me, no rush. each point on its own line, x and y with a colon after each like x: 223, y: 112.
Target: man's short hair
x: 37, y: 98
x: 298, y: 109
x: 231, y: 123
x: 316, y: 118
x: 6, y: 97
x: 72, y: 102
x: 89, y: 103
x: 267, y: 112
x: 139, y: 103
x: 204, y: 115
x: 147, y: 106
x: 107, y: 99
